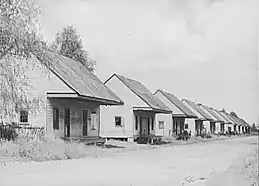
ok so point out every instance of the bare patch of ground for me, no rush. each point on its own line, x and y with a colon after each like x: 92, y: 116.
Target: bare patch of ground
x: 192, y: 164
x: 243, y: 172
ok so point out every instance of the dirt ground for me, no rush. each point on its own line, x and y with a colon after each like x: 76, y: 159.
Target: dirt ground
x: 194, y: 165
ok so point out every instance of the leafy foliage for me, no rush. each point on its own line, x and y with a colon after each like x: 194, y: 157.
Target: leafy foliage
x: 253, y: 128
x: 69, y: 44
x: 20, y: 41
x: 234, y: 114
x: 223, y: 110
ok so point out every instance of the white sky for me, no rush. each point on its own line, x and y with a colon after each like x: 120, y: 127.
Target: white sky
x: 203, y: 50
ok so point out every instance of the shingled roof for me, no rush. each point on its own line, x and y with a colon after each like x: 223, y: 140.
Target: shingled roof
x: 247, y: 124
x: 78, y: 78
x: 236, y: 121
x: 198, y: 109
x: 142, y: 92
x: 223, y: 115
x: 174, y: 100
x: 213, y: 115
x: 243, y: 122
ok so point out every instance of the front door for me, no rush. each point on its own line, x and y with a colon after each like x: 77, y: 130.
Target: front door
x: 85, y: 122
x: 144, y: 126
x: 67, y: 123
x: 198, y: 127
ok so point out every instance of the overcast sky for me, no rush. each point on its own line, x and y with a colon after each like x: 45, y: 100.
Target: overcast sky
x: 202, y: 50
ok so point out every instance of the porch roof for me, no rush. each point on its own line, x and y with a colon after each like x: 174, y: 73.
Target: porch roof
x: 173, y: 99
x: 60, y: 95
x: 143, y: 93
x: 78, y: 78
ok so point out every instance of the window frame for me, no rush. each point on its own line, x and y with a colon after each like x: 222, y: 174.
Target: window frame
x: 24, y: 118
x: 161, y: 123
x: 118, y: 117
x: 56, y: 117
x: 186, y: 124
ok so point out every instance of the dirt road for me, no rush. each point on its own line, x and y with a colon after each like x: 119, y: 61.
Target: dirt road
x: 162, y: 166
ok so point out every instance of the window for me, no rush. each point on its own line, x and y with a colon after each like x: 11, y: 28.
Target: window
x: 55, y: 118
x: 23, y: 116
x: 136, y: 122
x: 118, y: 121
x: 186, y: 126
x: 161, y: 124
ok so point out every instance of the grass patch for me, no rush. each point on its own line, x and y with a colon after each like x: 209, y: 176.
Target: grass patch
x: 37, y: 147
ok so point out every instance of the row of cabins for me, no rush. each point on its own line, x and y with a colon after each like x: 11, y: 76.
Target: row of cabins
x: 75, y: 103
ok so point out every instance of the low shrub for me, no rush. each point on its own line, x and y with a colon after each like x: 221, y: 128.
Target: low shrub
x: 40, y: 148
x: 8, y: 133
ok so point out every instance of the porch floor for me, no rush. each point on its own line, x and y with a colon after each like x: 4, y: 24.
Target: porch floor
x: 87, y: 140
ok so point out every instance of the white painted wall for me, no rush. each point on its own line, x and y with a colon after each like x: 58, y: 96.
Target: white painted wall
x: 217, y: 124
x: 168, y: 124
x: 206, y: 125
x: 191, y: 125
x: 130, y: 99
x: 108, y: 128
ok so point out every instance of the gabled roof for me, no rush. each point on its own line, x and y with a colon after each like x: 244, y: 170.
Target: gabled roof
x: 78, y: 78
x: 174, y: 100
x: 199, y: 110
x: 243, y: 122
x: 213, y: 115
x: 142, y: 92
x: 247, y: 124
x: 236, y: 121
x: 223, y: 115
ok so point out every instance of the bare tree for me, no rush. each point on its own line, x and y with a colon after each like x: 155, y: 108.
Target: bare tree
x: 19, y: 38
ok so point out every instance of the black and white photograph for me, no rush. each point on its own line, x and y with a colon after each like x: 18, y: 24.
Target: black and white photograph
x: 129, y: 92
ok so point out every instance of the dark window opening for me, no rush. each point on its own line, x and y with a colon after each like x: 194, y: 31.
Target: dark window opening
x: 55, y: 118
x: 23, y: 116
x: 152, y: 123
x: 186, y: 126
x: 118, y: 121
x: 136, y: 122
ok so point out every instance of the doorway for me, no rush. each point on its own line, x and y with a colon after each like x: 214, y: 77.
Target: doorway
x: 67, y: 123
x: 144, y: 126
x: 85, y: 113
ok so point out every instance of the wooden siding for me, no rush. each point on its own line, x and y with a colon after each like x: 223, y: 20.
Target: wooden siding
x: 76, y: 117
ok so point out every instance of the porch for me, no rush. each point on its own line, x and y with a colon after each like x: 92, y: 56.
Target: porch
x: 72, y: 117
x: 213, y: 127
x: 179, y: 125
x: 144, y: 123
x: 87, y: 140
x: 198, y: 127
